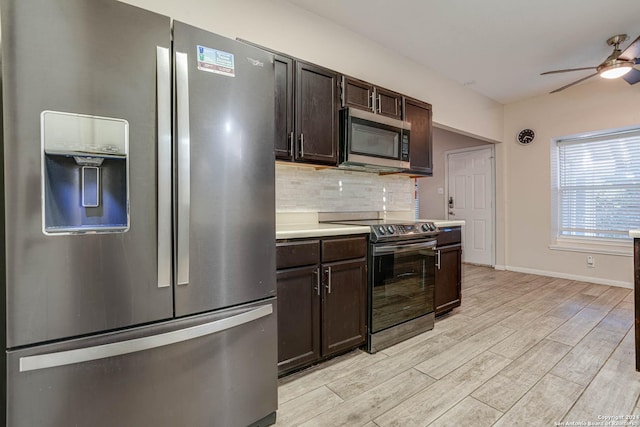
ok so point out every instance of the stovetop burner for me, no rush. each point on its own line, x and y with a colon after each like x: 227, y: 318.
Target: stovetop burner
x: 390, y: 230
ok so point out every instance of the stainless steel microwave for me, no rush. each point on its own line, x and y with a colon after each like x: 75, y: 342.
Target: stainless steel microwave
x: 373, y: 142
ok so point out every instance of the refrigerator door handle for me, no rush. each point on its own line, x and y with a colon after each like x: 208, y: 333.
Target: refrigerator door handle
x: 184, y: 170
x: 70, y: 357
x: 163, y: 100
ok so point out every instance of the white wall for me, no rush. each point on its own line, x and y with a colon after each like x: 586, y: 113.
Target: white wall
x: 526, y: 176
x: 281, y: 26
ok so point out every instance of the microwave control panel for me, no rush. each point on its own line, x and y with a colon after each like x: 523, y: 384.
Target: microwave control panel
x: 404, y: 152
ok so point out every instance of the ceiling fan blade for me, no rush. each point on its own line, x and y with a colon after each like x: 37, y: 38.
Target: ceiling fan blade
x: 632, y: 77
x: 574, y: 83
x: 632, y: 51
x: 566, y: 70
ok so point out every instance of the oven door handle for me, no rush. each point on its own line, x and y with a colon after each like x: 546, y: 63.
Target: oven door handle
x: 397, y: 249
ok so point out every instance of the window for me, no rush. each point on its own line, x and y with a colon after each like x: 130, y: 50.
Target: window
x: 597, y: 187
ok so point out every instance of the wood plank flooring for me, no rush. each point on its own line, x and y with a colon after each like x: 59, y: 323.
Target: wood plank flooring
x: 522, y: 350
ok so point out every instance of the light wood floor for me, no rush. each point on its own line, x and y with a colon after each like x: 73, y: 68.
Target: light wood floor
x: 523, y: 350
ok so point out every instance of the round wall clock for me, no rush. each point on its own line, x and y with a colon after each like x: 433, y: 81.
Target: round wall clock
x: 525, y: 136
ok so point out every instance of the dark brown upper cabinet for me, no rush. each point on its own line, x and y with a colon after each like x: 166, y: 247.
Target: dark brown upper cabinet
x: 419, y: 114
x: 357, y: 94
x: 306, y: 108
x: 284, y: 138
x: 316, y: 114
x: 388, y: 103
x: 306, y: 111
x: 365, y: 96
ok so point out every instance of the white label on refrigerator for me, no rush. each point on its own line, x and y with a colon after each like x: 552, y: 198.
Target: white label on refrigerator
x: 216, y: 61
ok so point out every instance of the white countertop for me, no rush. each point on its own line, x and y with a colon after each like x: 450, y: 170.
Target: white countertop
x: 310, y: 230
x: 299, y: 231
x: 635, y: 234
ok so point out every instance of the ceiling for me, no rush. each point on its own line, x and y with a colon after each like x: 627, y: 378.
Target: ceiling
x: 495, y: 47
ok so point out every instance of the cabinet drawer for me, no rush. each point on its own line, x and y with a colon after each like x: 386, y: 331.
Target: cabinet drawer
x: 297, y: 254
x: 344, y: 248
x: 449, y: 236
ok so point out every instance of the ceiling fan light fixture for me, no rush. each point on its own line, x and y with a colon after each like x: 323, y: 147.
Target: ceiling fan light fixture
x: 615, y: 70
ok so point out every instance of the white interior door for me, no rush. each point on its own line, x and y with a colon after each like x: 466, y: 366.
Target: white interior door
x: 470, y: 198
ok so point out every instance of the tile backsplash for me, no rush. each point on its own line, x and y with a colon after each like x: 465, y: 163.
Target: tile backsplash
x: 305, y: 189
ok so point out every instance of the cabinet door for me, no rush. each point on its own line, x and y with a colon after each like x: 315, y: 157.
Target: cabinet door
x: 357, y: 94
x: 343, y: 306
x: 419, y: 115
x: 284, y: 138
x: 449, y: 279
x: 388, y: 103
x: 316, y: 114
x: 298, y: 317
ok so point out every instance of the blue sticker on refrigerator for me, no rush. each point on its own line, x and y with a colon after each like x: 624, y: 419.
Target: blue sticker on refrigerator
x: 216, y: 61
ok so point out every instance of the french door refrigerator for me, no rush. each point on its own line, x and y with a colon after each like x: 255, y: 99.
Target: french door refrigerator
x: 138, y: 265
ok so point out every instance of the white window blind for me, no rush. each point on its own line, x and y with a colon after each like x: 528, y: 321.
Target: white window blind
x: 599, y: 186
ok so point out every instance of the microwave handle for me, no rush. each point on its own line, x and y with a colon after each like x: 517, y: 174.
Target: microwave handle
x: 375, y: 101
x: 371, y: 99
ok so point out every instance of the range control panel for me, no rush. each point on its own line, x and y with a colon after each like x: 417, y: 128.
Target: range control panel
x: 403, y: 231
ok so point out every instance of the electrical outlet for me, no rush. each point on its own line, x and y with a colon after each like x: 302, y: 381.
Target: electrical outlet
x: 591, y: 261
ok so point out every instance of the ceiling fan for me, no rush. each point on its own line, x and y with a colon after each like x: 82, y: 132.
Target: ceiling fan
x: 618, y: 64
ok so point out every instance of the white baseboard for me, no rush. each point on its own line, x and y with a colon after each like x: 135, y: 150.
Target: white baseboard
x: 599, y: 281
x: 500, y: 267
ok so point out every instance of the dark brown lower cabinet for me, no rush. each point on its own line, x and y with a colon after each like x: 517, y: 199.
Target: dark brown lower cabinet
x: 321, y: 299
x: 343, y: 306
x: 298, y: 317
x: 448, y: 289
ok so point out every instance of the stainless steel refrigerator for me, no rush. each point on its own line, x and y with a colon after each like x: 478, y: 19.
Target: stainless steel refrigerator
x: 138, y: 266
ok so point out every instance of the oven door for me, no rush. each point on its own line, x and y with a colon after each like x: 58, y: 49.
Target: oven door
x: 402, y: 283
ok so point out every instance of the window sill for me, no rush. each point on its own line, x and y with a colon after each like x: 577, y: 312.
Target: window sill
x: 593, y: 247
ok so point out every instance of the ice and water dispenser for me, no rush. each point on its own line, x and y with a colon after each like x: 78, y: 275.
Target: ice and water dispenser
x: 85, y: 173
